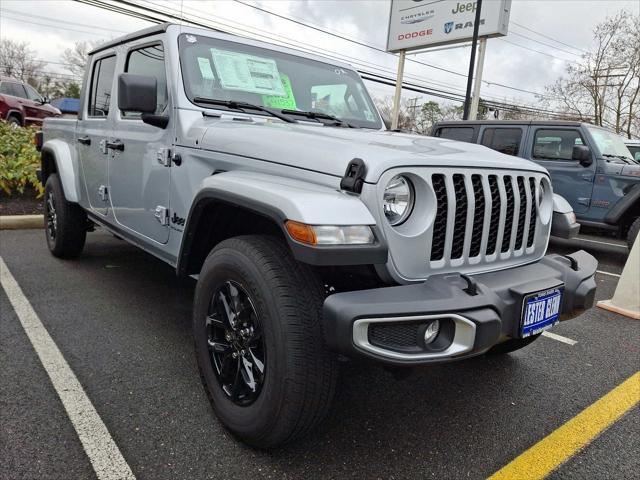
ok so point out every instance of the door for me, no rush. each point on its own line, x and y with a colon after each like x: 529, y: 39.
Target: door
x: 507, y: 140
x: 139, y: 170
x: 93, y: 130
x: 34, y: 105
x: 553, y: 148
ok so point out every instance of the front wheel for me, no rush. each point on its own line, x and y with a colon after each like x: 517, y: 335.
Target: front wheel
x: 65, y: 223
x: 632, y: 234
x: 259, y: 342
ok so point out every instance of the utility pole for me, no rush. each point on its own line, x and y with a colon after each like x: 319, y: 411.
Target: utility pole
x: 413, y: 107
x: 398, y: 94
x: 473, y: 114
x: 474, y: 43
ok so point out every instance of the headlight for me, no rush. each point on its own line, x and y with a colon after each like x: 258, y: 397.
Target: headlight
x: 398, y: 200
x: 541, y: 193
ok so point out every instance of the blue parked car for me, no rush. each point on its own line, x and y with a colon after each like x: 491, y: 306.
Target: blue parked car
x: 589, y: 166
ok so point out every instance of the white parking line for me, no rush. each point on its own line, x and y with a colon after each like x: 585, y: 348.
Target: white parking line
x: 602, y: 243
x: 608, y: 273
x: 104, y: 454
x: 559, y: 338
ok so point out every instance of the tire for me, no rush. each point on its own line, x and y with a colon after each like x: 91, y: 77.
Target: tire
x: 632, y: 234
x: 298, y: 380
x: 14, y: 121
x: 65, y: 223
x: 512, y: 345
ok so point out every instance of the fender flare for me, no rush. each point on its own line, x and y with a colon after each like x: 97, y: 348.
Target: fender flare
x: 280, y: 199
x: 66, y: 167
x: 623, y: 205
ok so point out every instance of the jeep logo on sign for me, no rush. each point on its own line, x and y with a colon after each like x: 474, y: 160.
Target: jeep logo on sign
x: 448, y: 27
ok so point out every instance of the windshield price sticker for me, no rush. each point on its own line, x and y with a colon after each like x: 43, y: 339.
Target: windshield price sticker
x: 239, y: 71
x: 205, y: 68
x: 287, y: 101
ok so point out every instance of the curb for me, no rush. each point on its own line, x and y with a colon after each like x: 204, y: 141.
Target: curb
x: 21, y: 222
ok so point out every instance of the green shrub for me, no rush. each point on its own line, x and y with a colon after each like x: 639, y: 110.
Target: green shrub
x: 19, y: 160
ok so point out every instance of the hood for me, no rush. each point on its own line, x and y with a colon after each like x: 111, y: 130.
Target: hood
x: 329, y: 149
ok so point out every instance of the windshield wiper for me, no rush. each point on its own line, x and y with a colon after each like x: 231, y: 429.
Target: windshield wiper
x: 621, y: 157
x: 242, y: 106
x: 319, y: 117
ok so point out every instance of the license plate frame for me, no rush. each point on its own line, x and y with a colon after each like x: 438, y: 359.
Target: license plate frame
x: 529, y: 323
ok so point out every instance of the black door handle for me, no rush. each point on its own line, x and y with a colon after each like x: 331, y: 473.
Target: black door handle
x: 84, y: 140
x: 116, y: 145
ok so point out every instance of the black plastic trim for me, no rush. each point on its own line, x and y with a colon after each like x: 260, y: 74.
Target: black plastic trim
x: 496, y: 309
x: 625, y: 203
x: 321, y: 255
x: 562, y: 227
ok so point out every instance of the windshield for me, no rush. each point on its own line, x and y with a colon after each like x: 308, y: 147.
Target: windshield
x: 223, y: 70
x: 635, y: 151
x: 609, y: 143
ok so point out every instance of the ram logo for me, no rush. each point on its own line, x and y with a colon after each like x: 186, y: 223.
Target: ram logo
x: 448, y: 27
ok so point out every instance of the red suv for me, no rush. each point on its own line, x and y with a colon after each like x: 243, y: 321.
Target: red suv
x: 22, y: 105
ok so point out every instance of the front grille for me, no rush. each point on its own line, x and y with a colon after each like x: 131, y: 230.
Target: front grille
x: 393, y: 335
x: 507, y: 200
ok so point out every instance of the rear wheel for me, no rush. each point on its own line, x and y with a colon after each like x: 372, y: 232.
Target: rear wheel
x: 65, y: 223
x: 512, y: 345
x: 259, y: 342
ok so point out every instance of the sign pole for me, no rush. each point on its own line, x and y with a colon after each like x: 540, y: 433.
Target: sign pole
x: 398, y: 94
x: 478, y: 80
x: 474, y: 43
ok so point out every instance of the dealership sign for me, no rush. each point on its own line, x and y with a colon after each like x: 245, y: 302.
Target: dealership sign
x: 426, y: 23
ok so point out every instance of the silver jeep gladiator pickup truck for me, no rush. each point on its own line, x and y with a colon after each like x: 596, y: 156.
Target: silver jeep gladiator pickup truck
x: 315, y: 235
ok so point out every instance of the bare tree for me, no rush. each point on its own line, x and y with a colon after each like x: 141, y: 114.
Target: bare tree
x: 76, y: 58
x: 604, y: 87
x: 18, y: 60
x: 385, y: 106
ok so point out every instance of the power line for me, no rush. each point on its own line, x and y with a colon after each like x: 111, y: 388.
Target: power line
x: 548, y: 37
x: 51, y: 26
x: 413, y: 60
x: 545, y: 44
x: 49, y: 19
x: 536, y: 51
x: 425, y: 90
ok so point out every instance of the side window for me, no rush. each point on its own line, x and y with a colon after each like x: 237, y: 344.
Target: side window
x: 149, y: 61
x: 558, y: 144
x: 32, y: 94
x: 463, y: 134
x: 101, y: 82
x: 14, y: 89
x: 503, y: 140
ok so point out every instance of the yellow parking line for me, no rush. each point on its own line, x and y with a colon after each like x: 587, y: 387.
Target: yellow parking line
x: 555, y: 449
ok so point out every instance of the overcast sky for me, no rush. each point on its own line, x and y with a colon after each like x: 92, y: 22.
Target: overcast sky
x: 50, y: 26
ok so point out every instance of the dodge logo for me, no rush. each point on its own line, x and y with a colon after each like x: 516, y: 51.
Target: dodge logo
x: 448, y: 27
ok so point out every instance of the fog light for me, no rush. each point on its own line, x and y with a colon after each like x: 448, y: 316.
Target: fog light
x: 431, y: 332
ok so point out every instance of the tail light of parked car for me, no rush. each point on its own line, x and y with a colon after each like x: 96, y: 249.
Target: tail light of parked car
x: 37, y: 140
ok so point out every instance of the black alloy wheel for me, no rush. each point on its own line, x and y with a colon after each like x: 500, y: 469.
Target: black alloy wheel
x: 236, y: 344
x: 51, y: 216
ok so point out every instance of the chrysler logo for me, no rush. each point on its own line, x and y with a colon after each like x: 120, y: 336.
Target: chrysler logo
x: 448, y: 27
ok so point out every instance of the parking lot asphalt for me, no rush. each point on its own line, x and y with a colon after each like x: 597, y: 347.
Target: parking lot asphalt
x: 121, y: 319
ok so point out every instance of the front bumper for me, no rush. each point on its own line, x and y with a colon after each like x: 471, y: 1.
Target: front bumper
x: 475, y: 312
x: 564, y: 225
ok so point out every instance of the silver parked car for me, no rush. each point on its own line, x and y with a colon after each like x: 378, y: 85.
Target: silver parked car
x: 314, y: 234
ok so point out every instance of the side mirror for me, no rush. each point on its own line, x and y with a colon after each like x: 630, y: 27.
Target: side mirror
x: 138, y: 93
x: 582, y: 154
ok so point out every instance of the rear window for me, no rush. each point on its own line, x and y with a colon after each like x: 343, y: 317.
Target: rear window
x: 503, y: 140
x: 101, y: 83
x: 462, y: 134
